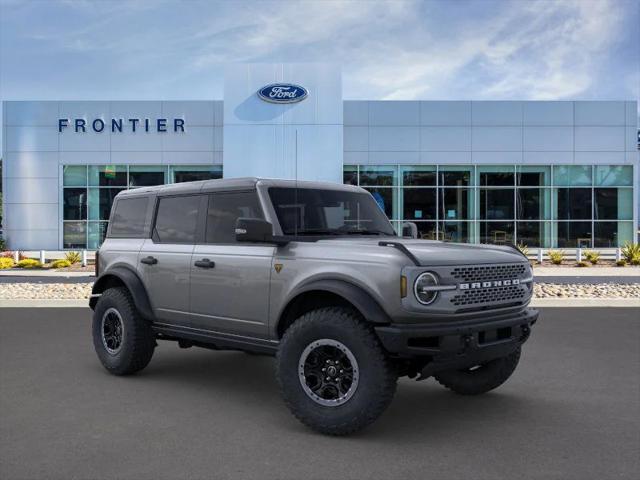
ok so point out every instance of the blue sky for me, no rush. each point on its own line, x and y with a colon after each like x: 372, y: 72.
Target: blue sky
x: 155, y: 49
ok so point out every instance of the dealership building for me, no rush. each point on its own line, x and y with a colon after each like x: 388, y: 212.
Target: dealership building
x: 552, y: 174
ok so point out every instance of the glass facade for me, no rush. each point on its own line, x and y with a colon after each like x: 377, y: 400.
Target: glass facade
x: 88, y: 193
x: 549, y: 206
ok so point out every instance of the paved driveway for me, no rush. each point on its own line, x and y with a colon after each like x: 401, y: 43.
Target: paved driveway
x: 571, y: 411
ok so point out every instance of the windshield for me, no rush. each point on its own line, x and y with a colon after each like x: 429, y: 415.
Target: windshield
x: 306, y: 211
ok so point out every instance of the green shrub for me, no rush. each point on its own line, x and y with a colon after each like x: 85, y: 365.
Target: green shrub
x: 556, y: 256
x: 592, y: 256
x: 582, y: 263
x: 29, y: 263
x: 523, y: 249
x: 631, y: 251
x: 621, y: 263
x: 635, y: 261
x: 73, y: 257
x: 62, y: 263
x: 6, y: 262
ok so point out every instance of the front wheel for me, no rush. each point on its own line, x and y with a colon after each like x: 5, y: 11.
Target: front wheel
x: 333, y: 373
x: 480, y: 378
x: 122, y: 339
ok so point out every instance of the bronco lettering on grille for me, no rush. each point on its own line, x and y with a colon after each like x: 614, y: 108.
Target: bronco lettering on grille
x: 493, y: 283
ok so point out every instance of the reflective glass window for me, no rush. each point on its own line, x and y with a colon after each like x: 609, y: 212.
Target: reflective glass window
x: 572, y: 175
x: 614, y: 175
x: 498, y: 233
x: 455, y: 175
x: 419, y: 176
x: 456, y: 203
x: 574, y: 234
x: 573, y: 203
x: 74, y: 175
x: 381, y: 176
x: 176, y: 219
x: 107, y: 175
x: 533, y: 175
x: 194, y: 173
x: 74, y: 204
x: 74, y: 234
x: 496, y: 176
x: 350, y: 175
x: 146, y: 175
x: 496, y: 204
x: 419, y: 203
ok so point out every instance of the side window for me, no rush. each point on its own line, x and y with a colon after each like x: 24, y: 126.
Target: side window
x: 128, y: 217
x: 177, y: 219
x: 224, y: 209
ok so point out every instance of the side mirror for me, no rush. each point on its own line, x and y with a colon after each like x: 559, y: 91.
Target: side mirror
x: 410, y: 230
x: 256, y: 230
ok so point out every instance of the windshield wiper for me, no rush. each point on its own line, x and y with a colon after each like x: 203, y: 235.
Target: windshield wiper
x: 367, y: 232
x: 316, y: 232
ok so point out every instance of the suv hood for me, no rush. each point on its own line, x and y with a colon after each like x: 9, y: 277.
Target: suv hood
x: 432, y: 252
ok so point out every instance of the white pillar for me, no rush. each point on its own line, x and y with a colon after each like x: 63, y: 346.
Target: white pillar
x: 540, y: 255
x: 84, y: 258
x: 578, y: 255
x: 16, y: 256
x: 618, y: 254
x: 42, y: 259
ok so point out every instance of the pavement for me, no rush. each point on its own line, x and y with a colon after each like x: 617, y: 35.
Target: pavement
x: 571, y: 411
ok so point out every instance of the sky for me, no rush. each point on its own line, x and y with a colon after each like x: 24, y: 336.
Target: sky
x: 453, y: 49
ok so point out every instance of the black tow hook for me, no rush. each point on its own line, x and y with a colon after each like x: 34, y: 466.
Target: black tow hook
x: 526, y: 331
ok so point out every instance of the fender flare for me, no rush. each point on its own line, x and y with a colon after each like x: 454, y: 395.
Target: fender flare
x: 133, y: 283
x: 357, y: 296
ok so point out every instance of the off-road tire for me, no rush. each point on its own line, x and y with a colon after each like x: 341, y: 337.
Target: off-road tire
x: 377, y: 375
x: 138, y: 341
x: 481, y: 380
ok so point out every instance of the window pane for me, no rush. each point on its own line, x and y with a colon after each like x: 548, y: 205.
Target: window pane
x: 455, y: 176
x: 572, y: 175
x: 573, y: 203
x: 107, y: 175
x: 350, y: 175
x: 534, y: 234
x: 419, y: 203
x: 533, y: 203
x: 533, y: 176
x: 74, y: 235
x: 146, y: 175
x: 129, y: 217
x: 378, y: 176
x: 74, y: 176
x: 194, y: 173
x: 574, y: 234
x: 496, y: 176
x: 498, y: 233
x: 100, y: 202
x: 496, y: 204
x: 427, y: 231
x: 385, y: 198
x: 455, y: 231
x: 306, y: 211
x: 223, y: 211
x: 613, y: 234
x: 419, y: 176
x: 456, y: 204
x: 621, y: 175
x: 614, y: 203
x: 75, y: 204
x: 176, y: 219
x: 97, y: 232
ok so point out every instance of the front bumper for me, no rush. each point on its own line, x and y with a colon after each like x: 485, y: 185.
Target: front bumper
x: 460, y: 344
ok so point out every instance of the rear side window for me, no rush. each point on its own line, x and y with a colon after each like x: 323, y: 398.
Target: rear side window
x: 177, y: 219
x: 224, y: 209
x: 129, y: 217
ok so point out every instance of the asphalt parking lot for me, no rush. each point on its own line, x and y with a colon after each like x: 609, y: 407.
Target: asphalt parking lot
x: 572, y: 410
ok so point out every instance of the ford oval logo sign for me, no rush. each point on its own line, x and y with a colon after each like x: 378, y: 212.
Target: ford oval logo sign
x: 283, y: 93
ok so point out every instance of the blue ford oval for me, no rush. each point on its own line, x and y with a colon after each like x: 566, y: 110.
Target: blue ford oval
x: 283, y: 93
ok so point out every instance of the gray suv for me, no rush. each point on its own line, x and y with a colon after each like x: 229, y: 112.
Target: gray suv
x: 314, y: 274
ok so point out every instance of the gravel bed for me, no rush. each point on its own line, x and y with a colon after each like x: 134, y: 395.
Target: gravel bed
x: 76, y: 290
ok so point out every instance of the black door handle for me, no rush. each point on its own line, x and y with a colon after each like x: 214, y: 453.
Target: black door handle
x: 204, y: 263
x: 149, y: 260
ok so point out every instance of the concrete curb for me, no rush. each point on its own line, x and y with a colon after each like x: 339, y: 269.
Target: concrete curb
x: 536, y: 302
x: 43, y: 273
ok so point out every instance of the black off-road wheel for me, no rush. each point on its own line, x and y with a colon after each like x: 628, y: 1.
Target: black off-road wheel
x: 333, y: 373
x: 122, y: 339
x: 480, y: 378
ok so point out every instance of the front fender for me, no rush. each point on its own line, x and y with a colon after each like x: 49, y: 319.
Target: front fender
x: 358, y: 297
x: 131, y: 280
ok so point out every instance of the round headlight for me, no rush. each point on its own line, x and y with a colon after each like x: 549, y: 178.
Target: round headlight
x: 422, y: 288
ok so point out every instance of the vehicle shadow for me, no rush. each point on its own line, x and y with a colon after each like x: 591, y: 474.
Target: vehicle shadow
x: 419, y: 409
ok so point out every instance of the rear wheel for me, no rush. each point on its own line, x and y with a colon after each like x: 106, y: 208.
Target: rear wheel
x: 122, y: 339
x: 333, y: 373
x: 480, y: 378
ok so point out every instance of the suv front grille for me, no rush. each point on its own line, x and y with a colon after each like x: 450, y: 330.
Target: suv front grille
x: 509, y: 294
x: 481, y: 273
